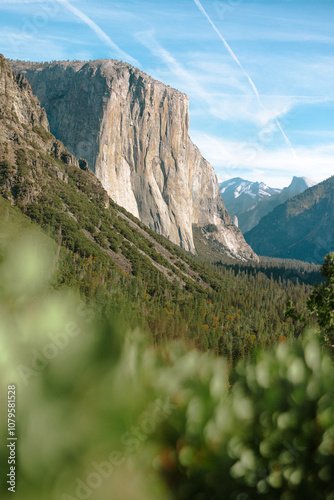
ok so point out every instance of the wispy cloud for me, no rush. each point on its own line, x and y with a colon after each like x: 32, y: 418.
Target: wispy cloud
x: 98, y: 31
x: 11, y: 3
x: 252, y: 84
x: 148, y: 40
x: 199, y: 78
x: 228, y: 48
x: 79, y: 14
x: 244, y: 108
x: 29, y: 47
x: 270, y: 35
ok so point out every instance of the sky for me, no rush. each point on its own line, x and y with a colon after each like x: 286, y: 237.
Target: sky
x: 259, y: 74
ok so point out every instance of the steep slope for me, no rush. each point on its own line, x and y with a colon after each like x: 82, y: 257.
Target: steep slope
x: 301, y: 228
x: 297, y: 186
x: 250, y: 201
x: 133, y: 131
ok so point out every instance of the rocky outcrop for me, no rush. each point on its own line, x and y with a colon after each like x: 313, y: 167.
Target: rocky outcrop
x: 17, y: 100
x: 133, y: 131
x: 29, y: 153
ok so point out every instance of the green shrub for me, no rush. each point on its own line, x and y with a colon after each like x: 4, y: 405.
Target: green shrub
x: 101, y: 239
x: 44, y: 134
x: 5, y: 171
x: 22, y: 163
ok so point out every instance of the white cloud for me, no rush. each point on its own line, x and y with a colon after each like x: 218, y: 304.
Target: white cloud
x: 266, y: 114
x: 261, y: 163
x: 201, y: 77
x: 271, y: 35
x: 246, y: 108
x: 149, y: 41
x: 10, y: 4
x: 213, y: 71
x: 299, y: 73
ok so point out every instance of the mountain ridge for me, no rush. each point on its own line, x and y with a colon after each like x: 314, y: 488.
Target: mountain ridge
x: 250, y: 201
x: 240, y: 195
x: 300, y: 228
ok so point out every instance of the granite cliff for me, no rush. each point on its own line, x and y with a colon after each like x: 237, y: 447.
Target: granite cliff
x: 97, y: 240
x: 133, y: 132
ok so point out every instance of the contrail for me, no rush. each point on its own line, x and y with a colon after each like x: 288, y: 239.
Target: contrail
x: 88, y: 21
x: 252, y: 84
x: 147, y: 39
x: 98, y: 31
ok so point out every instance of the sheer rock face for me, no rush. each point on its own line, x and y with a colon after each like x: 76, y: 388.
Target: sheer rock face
x: 133, y: 131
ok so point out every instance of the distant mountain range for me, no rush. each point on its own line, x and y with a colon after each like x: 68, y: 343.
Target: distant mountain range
x: 250, y: 201
x: 301, y: 228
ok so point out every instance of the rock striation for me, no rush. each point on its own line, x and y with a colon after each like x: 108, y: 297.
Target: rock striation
x: 133, y: 132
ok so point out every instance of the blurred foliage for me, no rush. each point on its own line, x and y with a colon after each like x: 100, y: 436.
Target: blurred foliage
x: 272, y: 436
x: 62, y: 359
x: 102, y: 413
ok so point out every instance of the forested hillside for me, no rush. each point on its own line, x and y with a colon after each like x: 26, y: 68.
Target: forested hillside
x: 117, y: 262
x: 301, y: 228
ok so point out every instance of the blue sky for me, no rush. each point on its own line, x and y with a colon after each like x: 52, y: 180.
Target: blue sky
x: 259, y: 74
